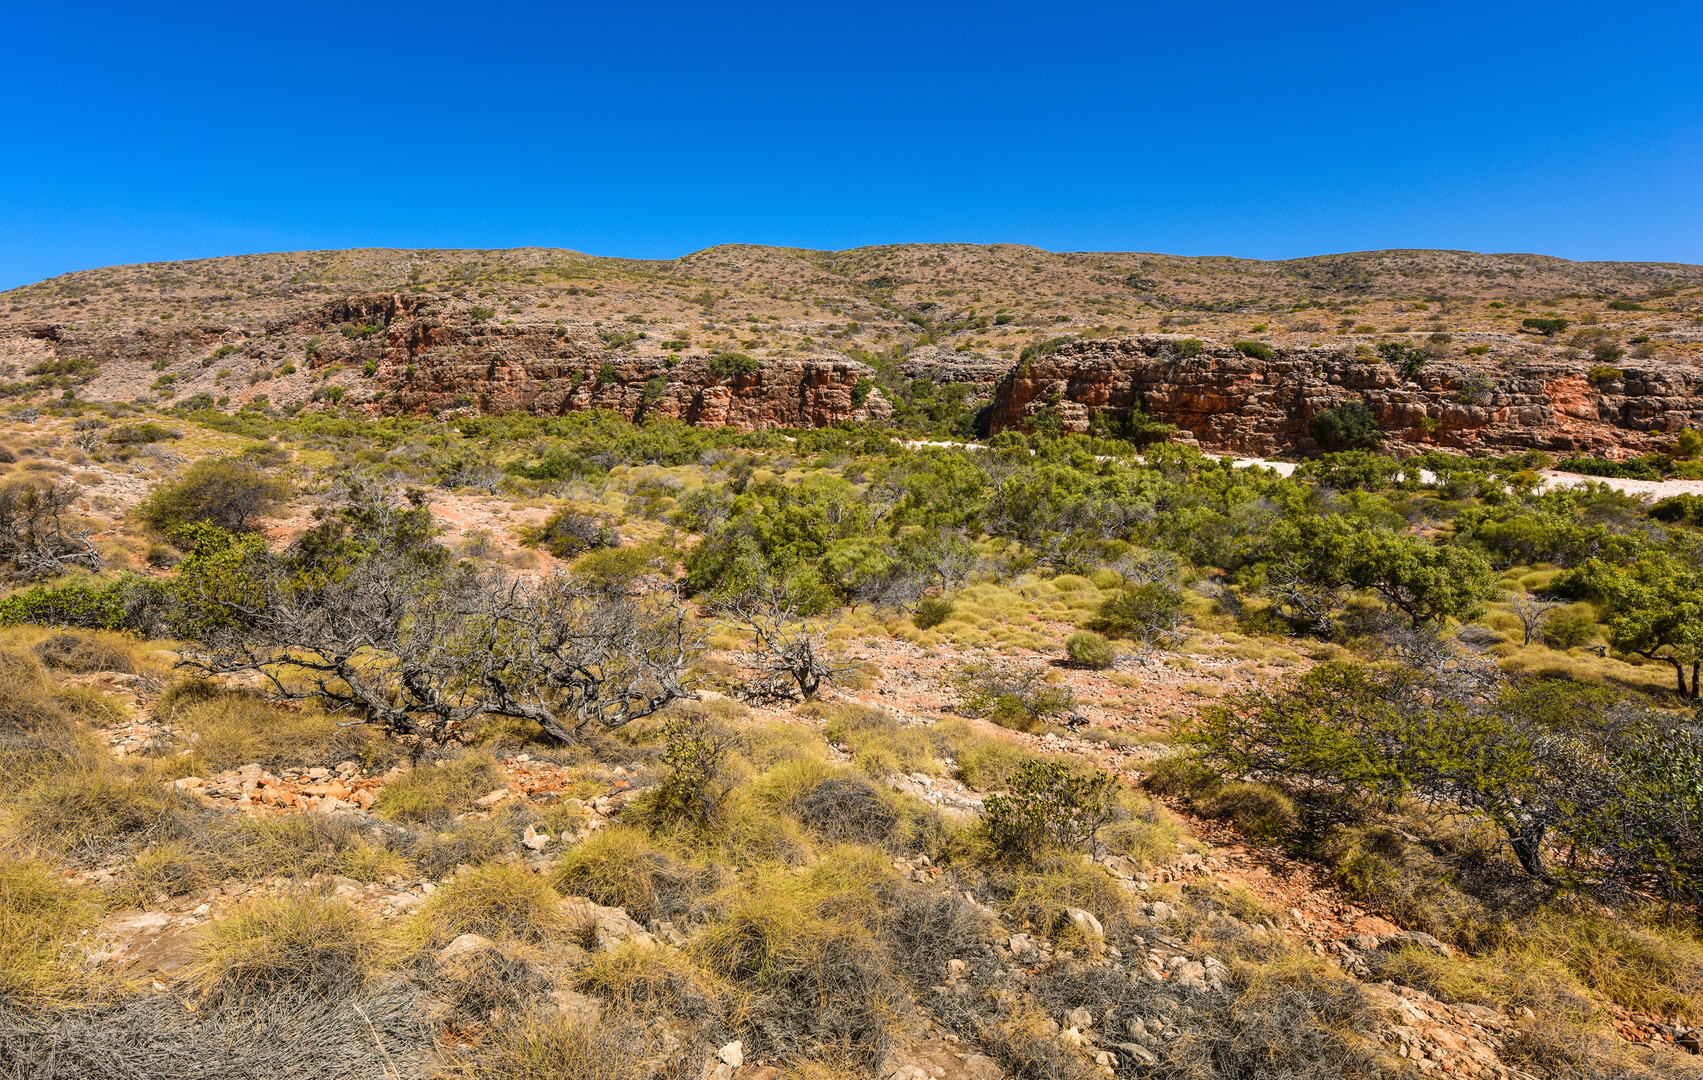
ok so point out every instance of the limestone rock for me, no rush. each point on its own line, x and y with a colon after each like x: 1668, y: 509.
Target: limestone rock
x: 1228, y: 401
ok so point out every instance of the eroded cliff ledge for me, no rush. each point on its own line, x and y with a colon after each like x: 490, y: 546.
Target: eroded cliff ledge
x: 1246, y: 405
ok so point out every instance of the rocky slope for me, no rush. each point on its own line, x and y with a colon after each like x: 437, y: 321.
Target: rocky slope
x: 1252, y: 405
x: 547, y: 331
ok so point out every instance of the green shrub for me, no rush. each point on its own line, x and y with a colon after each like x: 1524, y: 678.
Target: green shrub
x: 1570, y: 627
x: 1023, y: 700
x: 1679, y: 509
x: 1041, y: 349
x: 568, y: 533
x: 1149, y: 614
x: 1257, y: 350
x: 932, y: 611
x: 1349, y: 426
x: 1051, y: 805
x: 226, y: 492
x: 1546, y: 326
x: 1187, y: 347
x: 725, y: 365
x: 1089, y: 650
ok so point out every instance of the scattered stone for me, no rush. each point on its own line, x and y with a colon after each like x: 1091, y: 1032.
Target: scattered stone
x: 461, y: 946
x: 1086, y: 922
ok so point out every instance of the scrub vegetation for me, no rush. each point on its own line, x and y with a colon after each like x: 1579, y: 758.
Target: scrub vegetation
x: 617, y: 776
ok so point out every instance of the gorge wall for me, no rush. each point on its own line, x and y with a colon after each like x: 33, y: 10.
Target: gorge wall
x: 1246, y: 405
x: 402, y: 354
x: 409, y: 354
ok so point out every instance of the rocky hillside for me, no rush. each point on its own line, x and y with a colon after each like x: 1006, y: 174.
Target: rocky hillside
x: 807, y: 338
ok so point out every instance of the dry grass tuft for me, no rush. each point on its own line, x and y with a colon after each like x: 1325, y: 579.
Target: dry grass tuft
x: 563, y: 1046
x: 85, y: 652
x: 624, y: 867
x: 93, y: 811
x: 40, y: 916
x: 298, y: 944
x: 228, y: 730
x: 501, y: 901
x: 433, y: 794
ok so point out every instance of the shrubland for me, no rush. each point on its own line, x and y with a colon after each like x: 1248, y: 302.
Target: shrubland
x: 1472, y: 707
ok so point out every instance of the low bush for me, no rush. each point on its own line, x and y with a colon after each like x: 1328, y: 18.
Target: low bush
x: 1090, y: 650
x: 94, y: 811
x: 236, y: 729
x: 1349, y: 426
x: 1570, y: 627
x: 226, y: 492
x: 726, y: 365
x: 932, y: 611
x: 818, y: 976
x: 623, y: 867
x: 569, y: 533
x: 501, y: 901
x: 87, y: 652
x: 845, y: 806
x: 293, y: 945
x: 1260, y: 810
x: 1050, y: 805
x: 1024, y: 699
x: 431, y: 795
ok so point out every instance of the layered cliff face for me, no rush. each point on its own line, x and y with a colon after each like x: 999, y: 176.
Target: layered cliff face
x: 1241, y: 404
x: 394, y: 354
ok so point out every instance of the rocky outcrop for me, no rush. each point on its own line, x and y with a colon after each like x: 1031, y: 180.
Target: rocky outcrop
x: 1248, y: 405
x: 414, y: 354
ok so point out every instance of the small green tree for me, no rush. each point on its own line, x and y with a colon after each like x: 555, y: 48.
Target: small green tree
x: 1654, y: 608
x: 1349, y: 426
x: 1149, y: 614
x: 1051, y: 806
x: 226, y: 492
x: 728, y: 365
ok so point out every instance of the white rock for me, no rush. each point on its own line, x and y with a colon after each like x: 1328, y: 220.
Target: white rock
x: 461, y: 946
x: 1079, y: 1017
x: 492, y: 798
x: 733, y: 1054
x: 534, y: 839
x: 1085, y: 922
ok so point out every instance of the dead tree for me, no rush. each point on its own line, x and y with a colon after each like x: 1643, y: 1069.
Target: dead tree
x: 423, y: 649
x: 1532, y: 613
x: 38, y: 538
x: 796, y: 659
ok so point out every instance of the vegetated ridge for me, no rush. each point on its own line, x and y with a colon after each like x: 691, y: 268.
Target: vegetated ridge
x: 1456, y: 350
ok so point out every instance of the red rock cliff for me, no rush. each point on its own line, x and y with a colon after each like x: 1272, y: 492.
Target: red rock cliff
x: 1228, y: 401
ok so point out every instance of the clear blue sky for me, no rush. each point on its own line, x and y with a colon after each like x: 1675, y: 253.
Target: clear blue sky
x: 140, y: 132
